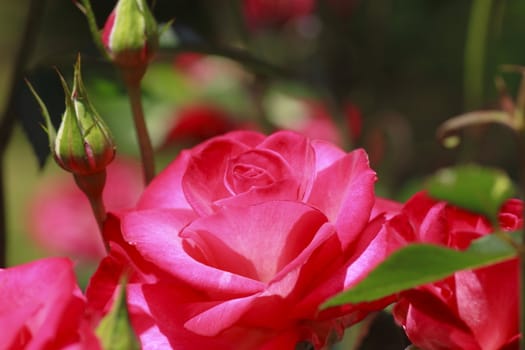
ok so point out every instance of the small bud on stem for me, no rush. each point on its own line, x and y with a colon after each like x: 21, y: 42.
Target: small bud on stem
x: 83, y: 143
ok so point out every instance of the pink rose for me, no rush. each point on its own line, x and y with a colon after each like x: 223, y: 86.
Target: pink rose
x: 42, y: 308
x: 471, y: 310
x: 237, y: 243
x: 58, y: 205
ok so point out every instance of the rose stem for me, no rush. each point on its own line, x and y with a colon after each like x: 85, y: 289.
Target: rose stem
x: 92, y: 186
x: 146, y: 149
x: 99, y: 211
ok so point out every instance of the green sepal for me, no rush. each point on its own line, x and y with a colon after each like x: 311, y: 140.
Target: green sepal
x: 87, y: 10
x: 114, y: 330
x: 48, y: 125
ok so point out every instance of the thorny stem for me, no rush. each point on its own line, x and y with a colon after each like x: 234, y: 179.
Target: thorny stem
x: 146, y: 148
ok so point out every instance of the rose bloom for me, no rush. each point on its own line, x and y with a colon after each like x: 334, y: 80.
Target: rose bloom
x: 43, y: 308
x: 471, y: 310
x: 61, y: 217
x: 237, y: 243
x: 198, y: 122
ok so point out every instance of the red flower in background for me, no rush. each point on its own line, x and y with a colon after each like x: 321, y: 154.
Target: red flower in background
x: 41, y: 307
x: 61, y: 217
x: 270, y: 13
x: 198, y: 122
x: 236, y: 244
x: 471, y: 310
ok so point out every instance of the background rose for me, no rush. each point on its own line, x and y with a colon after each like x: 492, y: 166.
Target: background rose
x: 240, y: 239
x: 41, y: 307
x: 58, y: 205
x: 275, y: 13
x: 464, y: 311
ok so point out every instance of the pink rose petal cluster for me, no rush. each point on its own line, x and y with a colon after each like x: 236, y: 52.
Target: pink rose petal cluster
x: 471, y: 310
x: 43, y: 308
x: 237, y: 243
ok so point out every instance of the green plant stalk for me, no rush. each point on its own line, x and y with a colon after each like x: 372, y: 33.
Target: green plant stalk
x: 86, y: 185
x: 99, y: 211
x: 475, y: 52
x: 145, y: 146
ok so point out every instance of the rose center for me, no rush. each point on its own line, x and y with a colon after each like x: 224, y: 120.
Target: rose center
x: 254, y: 169
x: 246, y: 176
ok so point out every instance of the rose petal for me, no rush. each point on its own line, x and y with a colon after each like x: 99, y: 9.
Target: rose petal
x: 326, y: 154
x: 344, y: 192
x: 268, y: 237
x: 158, y: 313
x: 42, y: 303
x: 428, y: 332
x: 300, y: 156
x: 255, y: 168
x: 165, y: 191
x: 386, y: 207
x: 217, y: 318
x: 346, y: 269
x: 478, y: 292
x: 203, y: 181
x: 155, y: 235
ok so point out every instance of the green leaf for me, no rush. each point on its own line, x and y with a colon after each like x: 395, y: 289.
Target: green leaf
x: 418, y: 264
x: 478, y: 189
x: 114, y: 331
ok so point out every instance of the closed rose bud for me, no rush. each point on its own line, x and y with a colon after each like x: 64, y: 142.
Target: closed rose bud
x: 83, y: 144
x: 130, y: 35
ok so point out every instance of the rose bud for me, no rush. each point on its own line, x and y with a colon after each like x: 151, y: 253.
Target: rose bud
x: 130, y: 35
x: 83, y: 144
